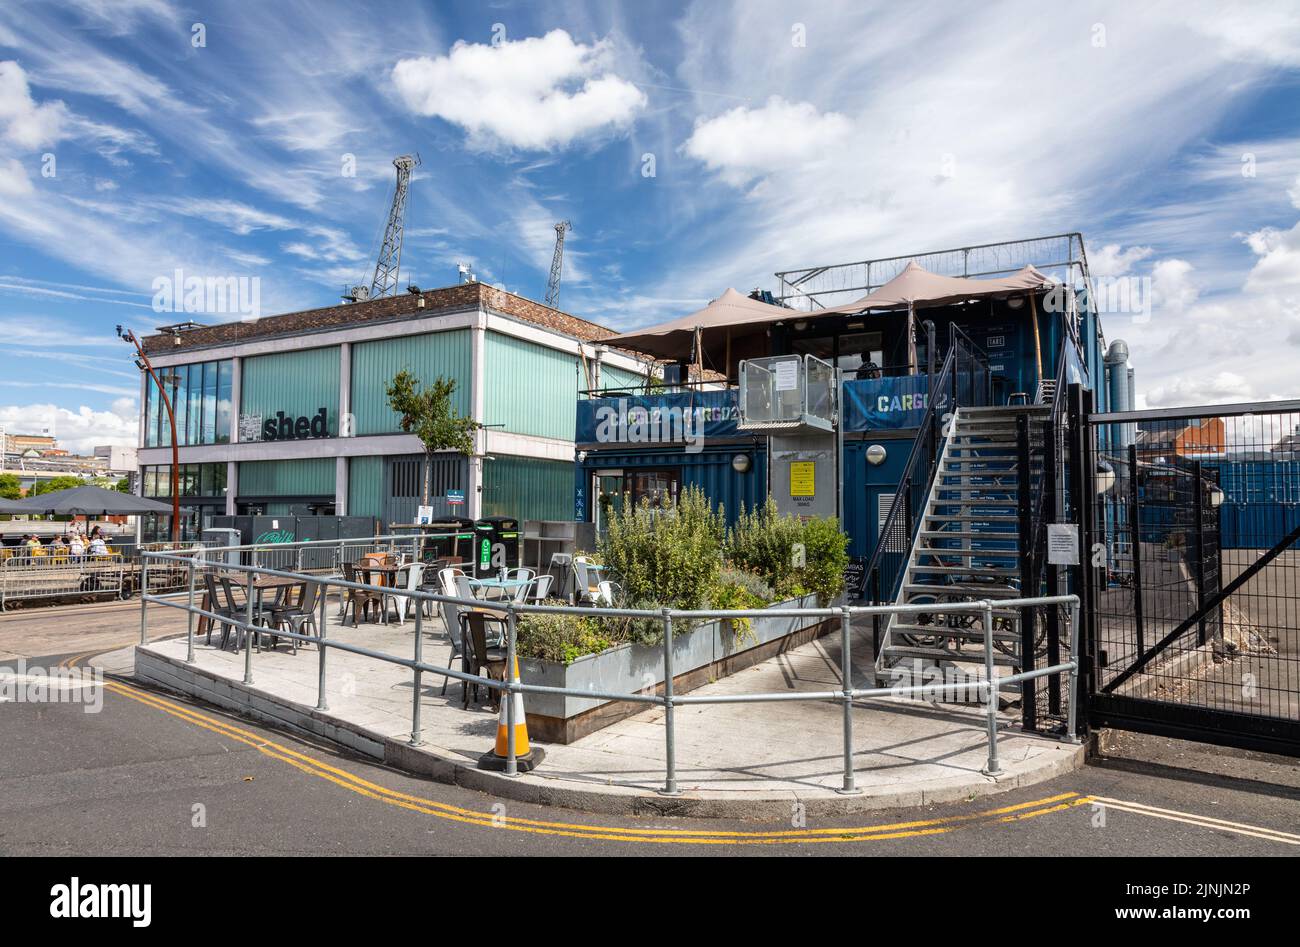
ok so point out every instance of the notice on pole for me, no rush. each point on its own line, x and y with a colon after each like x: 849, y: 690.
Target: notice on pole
x: 424, y: 515
x: 1062, y: 544
x: 787, y: 375
x: 803, y: 479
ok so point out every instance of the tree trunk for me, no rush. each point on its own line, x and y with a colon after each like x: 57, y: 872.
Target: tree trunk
x: 428, y: 468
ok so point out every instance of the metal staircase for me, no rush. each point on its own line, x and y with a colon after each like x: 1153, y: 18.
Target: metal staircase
x: 1046, y: 394
x: 966, y: 547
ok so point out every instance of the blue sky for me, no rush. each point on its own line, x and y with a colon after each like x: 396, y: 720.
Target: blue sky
x: 782, y: 134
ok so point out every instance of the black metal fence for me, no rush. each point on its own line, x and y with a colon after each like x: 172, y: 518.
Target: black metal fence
x: 1188, y: 638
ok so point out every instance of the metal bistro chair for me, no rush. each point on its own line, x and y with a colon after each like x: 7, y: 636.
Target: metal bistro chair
x: 450, y: 612
x: 540, y: 589
x: 607, y: 593
x: 478, y: 654
x: 215, y: 606
x: 414, y: 576
x: 359, y: 600
x: 296, y: 616
x: 237, y: 612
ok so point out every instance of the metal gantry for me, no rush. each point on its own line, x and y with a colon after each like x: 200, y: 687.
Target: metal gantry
x: 389, y: 265
x: 557, y: 264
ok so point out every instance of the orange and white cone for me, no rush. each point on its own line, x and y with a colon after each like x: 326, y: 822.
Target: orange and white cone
x: 526, y: 756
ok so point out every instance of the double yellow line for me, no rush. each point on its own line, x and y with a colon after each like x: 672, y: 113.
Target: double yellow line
x: 442, y: 810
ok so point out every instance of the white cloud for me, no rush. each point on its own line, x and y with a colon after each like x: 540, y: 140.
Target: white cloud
x: 25, y: 123
x: 79, y: 431
x: 1111, y: 260
x: 1278, y: 268
x: 743, y: 142
x: 535, y: 93
x: 1173, y: 289
x: 239, y: 218
x: 1220, y: 388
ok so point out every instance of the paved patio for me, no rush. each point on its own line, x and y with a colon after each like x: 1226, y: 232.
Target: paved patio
x: 742, y: 759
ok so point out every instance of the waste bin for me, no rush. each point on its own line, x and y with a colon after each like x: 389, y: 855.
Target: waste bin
x: 449, y: 537
x: 496, y: 545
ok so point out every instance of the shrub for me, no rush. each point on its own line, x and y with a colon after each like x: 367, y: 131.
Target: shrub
x: 729, y: 594
x: 826, y: 553
x: 560, y: 638
x: 668, y: 557
x: 751, y: 582
x: 763, y: 541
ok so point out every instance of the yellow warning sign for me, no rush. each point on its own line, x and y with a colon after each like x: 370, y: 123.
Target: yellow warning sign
x: 803, y: 477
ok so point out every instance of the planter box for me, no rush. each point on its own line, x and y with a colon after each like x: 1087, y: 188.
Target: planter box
x: 703, y: 654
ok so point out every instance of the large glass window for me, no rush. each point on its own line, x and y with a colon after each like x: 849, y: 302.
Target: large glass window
x: 200, y: 396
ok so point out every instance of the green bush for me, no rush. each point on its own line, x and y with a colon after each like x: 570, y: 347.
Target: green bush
x: 560, y: 638
x: 763, y: 541
x: 826, y: 553
x: 738, y: 595
x: 666, y: 557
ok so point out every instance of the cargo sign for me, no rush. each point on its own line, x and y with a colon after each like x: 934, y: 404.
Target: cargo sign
x: 887, y: 403
x: 684, y: 418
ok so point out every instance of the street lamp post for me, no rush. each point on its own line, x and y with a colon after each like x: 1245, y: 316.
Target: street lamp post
x: 142, y: 362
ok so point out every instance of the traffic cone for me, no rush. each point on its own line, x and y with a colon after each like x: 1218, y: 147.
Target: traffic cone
x: 526, y: 757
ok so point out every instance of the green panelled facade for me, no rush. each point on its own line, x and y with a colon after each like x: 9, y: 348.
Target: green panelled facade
x: 298, y: 383
x: 529, y: 388
x: 306, y: 477
x: 620, y: 378
x: 374, y: 364
x: 528, y: 489
x: 366, y: 486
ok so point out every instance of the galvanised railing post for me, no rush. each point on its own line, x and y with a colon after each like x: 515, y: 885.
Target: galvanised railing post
x: 670, y: 746
x: 846, y: 681
x: 991, y: 768
x: 1072, y: 720
x: 417, y: 735
x: 189, y: 615
x: 248, y: 629
x: 508, y: 695
x: 144, y: 593
x: 320, y: 646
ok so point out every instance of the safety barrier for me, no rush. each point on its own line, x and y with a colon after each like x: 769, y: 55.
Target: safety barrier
x: 986, y: 687
x: 48, y: 576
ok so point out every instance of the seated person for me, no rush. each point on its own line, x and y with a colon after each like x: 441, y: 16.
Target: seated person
x: 98, y: 547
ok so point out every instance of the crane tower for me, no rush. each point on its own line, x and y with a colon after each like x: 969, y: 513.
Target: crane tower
x: 389, y: 264
x: 557, y: 263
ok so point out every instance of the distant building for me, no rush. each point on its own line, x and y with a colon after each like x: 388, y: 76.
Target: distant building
x: 117, y: 459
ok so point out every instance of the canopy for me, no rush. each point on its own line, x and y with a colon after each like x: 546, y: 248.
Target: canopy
x: 734, y: 326
x: 12, y: 506
x: 675, y: 340
x: 90, y: 500
x: 918, y: 287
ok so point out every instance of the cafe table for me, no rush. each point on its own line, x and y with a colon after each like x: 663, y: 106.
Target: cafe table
x: 500, y: 586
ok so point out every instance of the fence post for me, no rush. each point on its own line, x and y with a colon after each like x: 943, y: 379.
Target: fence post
x: 189, y: 615
x: 508, y: 694
x: 1135, y: 539
x: 249, y: 593
x: 846, y: 681
x: 1028, y: 570
x: 320, y: 646
x: 144, y: 592
x: 417, y: 736
x: 991, y: 768
x: 1072, y: 719
x: 670, y: 759
x: 1198, y: 497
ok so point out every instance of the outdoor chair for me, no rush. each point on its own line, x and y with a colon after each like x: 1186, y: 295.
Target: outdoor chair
x: 455, y: 637
x: 359, y: 600
x: 540, y: 588
x: 239, y: 612
x: 296, y: 616
x: 607, y: 593
x: 414, y: 575
x: 480, y: 655
x: 215, y: 606
x: 464, y: 590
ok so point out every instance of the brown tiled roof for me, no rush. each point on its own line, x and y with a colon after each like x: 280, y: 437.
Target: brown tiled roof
x: 402, y: 306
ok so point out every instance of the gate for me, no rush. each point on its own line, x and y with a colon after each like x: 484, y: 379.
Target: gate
x: 1185, y: 636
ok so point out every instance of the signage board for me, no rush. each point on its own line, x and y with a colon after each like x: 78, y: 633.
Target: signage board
x: 454, y: 498
x: 250, y: 427
x: 787, y: 375
x: 424, y: 515
x: 1063, y: 544
x: 803, y: 479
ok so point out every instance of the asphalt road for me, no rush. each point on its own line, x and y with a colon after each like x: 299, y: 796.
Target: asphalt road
x: 157, y: 774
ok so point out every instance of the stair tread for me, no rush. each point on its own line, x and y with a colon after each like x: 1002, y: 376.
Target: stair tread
x: 945, y: 631
x: 976, y: 592
x: 901, y: 651
x: 962, y: 570
x: 973, y: 518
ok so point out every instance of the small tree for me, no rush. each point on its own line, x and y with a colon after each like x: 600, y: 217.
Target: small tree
x: 10, y: 488
x: 427, y: 413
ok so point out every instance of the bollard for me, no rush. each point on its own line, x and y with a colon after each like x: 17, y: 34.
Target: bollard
x: 990, y: 693
x: 417, y: 734
x: 189, y: 614
x: 144, y: 591
x: 512, y: 759
x: 846, y: 681
x: 248, y: 630
x: 320, y: 646
x: 670, y: 760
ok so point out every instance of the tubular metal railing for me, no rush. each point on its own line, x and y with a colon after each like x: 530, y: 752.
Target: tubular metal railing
x: 845, y: 695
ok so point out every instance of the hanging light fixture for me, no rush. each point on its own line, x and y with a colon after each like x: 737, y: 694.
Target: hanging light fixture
x: 1104, y: 478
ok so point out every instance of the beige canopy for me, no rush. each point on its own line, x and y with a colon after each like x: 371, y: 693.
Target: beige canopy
x: 675, y: 340
x: 734, y: 326
x: 918, y: 287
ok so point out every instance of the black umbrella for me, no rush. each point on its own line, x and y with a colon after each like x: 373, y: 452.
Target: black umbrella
x: 90, y: 500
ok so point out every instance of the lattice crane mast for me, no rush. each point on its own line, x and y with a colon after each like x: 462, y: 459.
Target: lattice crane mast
x: 389, y: 265
x: 557, y: 264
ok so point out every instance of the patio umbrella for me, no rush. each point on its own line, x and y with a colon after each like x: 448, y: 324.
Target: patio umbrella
x: 90, y: 500
x: 12, y: 506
